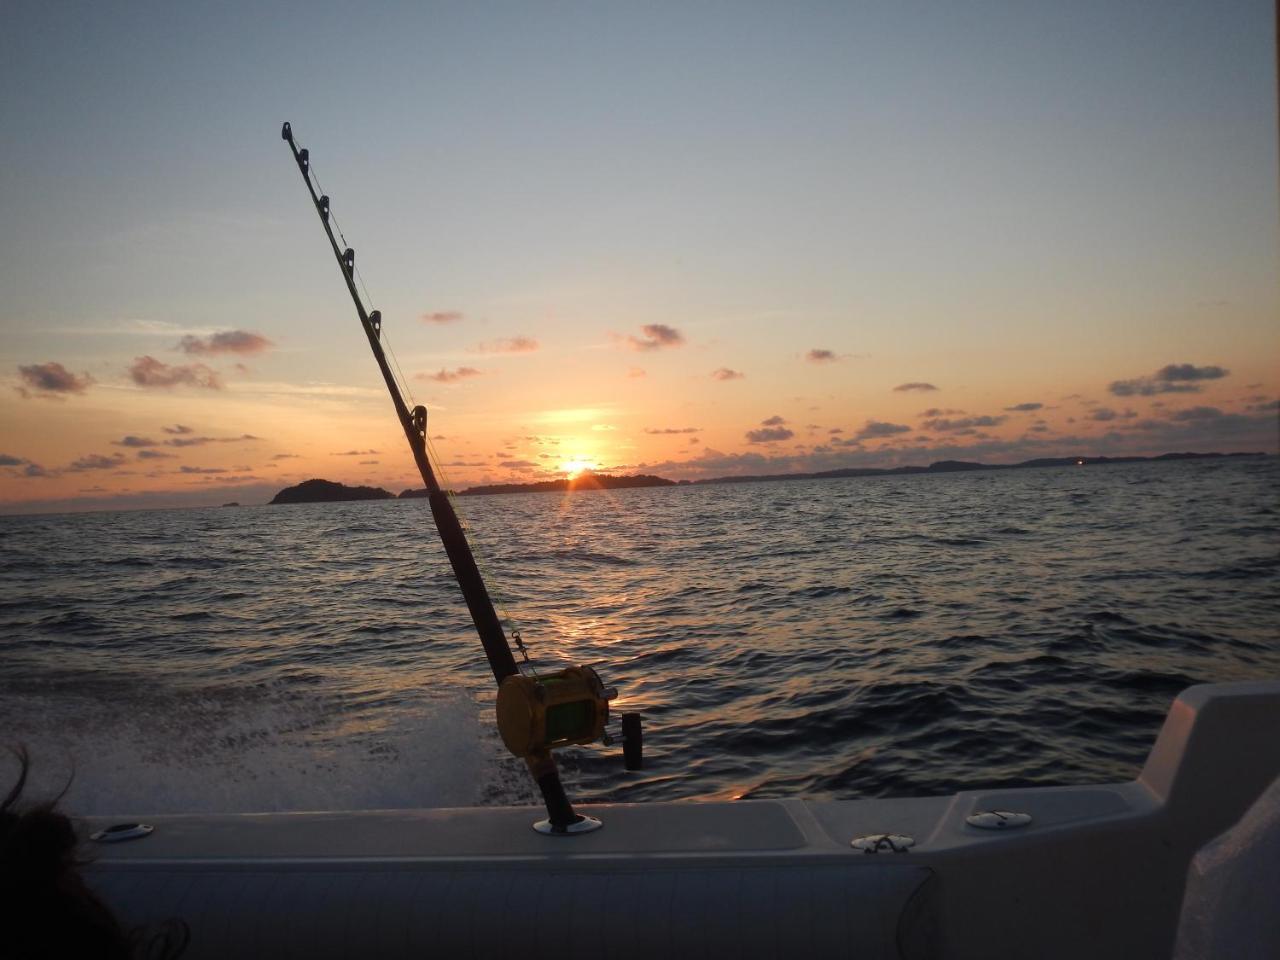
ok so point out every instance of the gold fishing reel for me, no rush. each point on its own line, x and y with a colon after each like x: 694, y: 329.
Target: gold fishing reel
x: 569, y: 706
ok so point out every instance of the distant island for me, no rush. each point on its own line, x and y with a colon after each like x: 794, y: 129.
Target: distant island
x: 960, y: 466
x: 583, y: 481
x: 326, y: 491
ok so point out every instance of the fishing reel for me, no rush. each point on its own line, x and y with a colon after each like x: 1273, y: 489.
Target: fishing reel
x: 571, y: 706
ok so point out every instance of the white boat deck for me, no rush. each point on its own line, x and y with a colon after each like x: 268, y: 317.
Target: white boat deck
x: 1099, y: 871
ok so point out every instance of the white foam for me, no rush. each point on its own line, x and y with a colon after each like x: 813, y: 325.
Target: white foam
x: 262, y: 753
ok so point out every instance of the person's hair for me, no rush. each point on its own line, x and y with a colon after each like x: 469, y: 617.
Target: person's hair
x: 54, y: 912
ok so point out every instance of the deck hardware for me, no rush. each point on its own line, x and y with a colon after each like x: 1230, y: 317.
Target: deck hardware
x: 997, y: 819
x: 883, y: 843
x: 122, y: 831
x: 584, y: 824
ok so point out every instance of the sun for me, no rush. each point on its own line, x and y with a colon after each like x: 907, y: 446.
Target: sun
x: 575, y: 468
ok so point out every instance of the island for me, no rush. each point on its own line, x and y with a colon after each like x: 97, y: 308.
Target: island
x: 326, y: 491
x: 586, y: 480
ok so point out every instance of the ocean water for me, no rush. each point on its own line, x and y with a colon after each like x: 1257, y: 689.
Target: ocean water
x: 904, y: 635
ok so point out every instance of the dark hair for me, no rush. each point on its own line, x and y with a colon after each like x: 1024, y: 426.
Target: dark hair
x: 54, y: 912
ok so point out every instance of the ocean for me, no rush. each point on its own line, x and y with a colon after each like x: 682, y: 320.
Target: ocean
x: 894, y: 635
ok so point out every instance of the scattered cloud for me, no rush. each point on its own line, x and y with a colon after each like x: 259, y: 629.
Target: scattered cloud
x: 241, y: 342
x: 914, y: 385
x: 940, y: 412
x: 1196, y: 413
x: 355, y: 453
x: 1024, y: 407
x: 665, y: 430
x: 878, y: 428
x: 770, y: 431
x: 1171, y: 378
x: 821, y: 356
x: 285, y: 456
x: 1106, y: 414
x: 603, y: 427
x: 186, y: 469
x: 154, y: 455
x: 725, y: 373
x: 450, y: 376
x: 368, y: 463
x: 147, y: 371
x: 188, y: 441
x: 132, y: 441
x: 51, y: 380
x: 944, y: 425
x: 441, y: 316
x: 520, y: 466
x: 656, y: 336
x: 96, y: 461
x: 507, y: 345
x: 179, y: 429
x: 1175, y: 372
x: 9, y: 461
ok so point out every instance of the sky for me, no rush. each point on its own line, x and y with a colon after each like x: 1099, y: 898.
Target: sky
x: 688, y: 239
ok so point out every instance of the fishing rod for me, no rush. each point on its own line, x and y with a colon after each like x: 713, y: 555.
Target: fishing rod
x: 535, y: 713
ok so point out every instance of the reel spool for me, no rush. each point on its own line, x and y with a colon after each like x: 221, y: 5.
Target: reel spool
x: 570, y: 706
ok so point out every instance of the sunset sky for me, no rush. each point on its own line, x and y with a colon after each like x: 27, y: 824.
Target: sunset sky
x: 689, y: 239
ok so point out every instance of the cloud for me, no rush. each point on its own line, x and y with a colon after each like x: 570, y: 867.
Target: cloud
x: 367, y: 463
x: 507, y: 345
x: 944, y: 425
x: 1264, y: 406
x: 1171, y: 378
x: 154, y: 455
x: 769, y: 435
x: 441, y: 316
x: 878, y: 428
x: 821, y: 356
x: 774, y: 421
x: 449, y: 376
x: 96, y: 461
x: 656, y: 336
x: 665, y: 430
x: 185, y: 469
x: 914, y: 385
x: 147, y: 371
x: 201, y: 441
x: 940, y: 412
x: 51, y: 380
x: 8, y: 461
x: 1106, y: 414
x: 603, y: 427
x: 285, y: 456
x: 355, y: 453
x: 132, y: 441
x: 1024, y: 407
x: 178, y: 429
x: 724, y: 373
x: 226, y: 341
x: 1175, y: 372
x: 1196, y: 413
x: 522, y: 466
